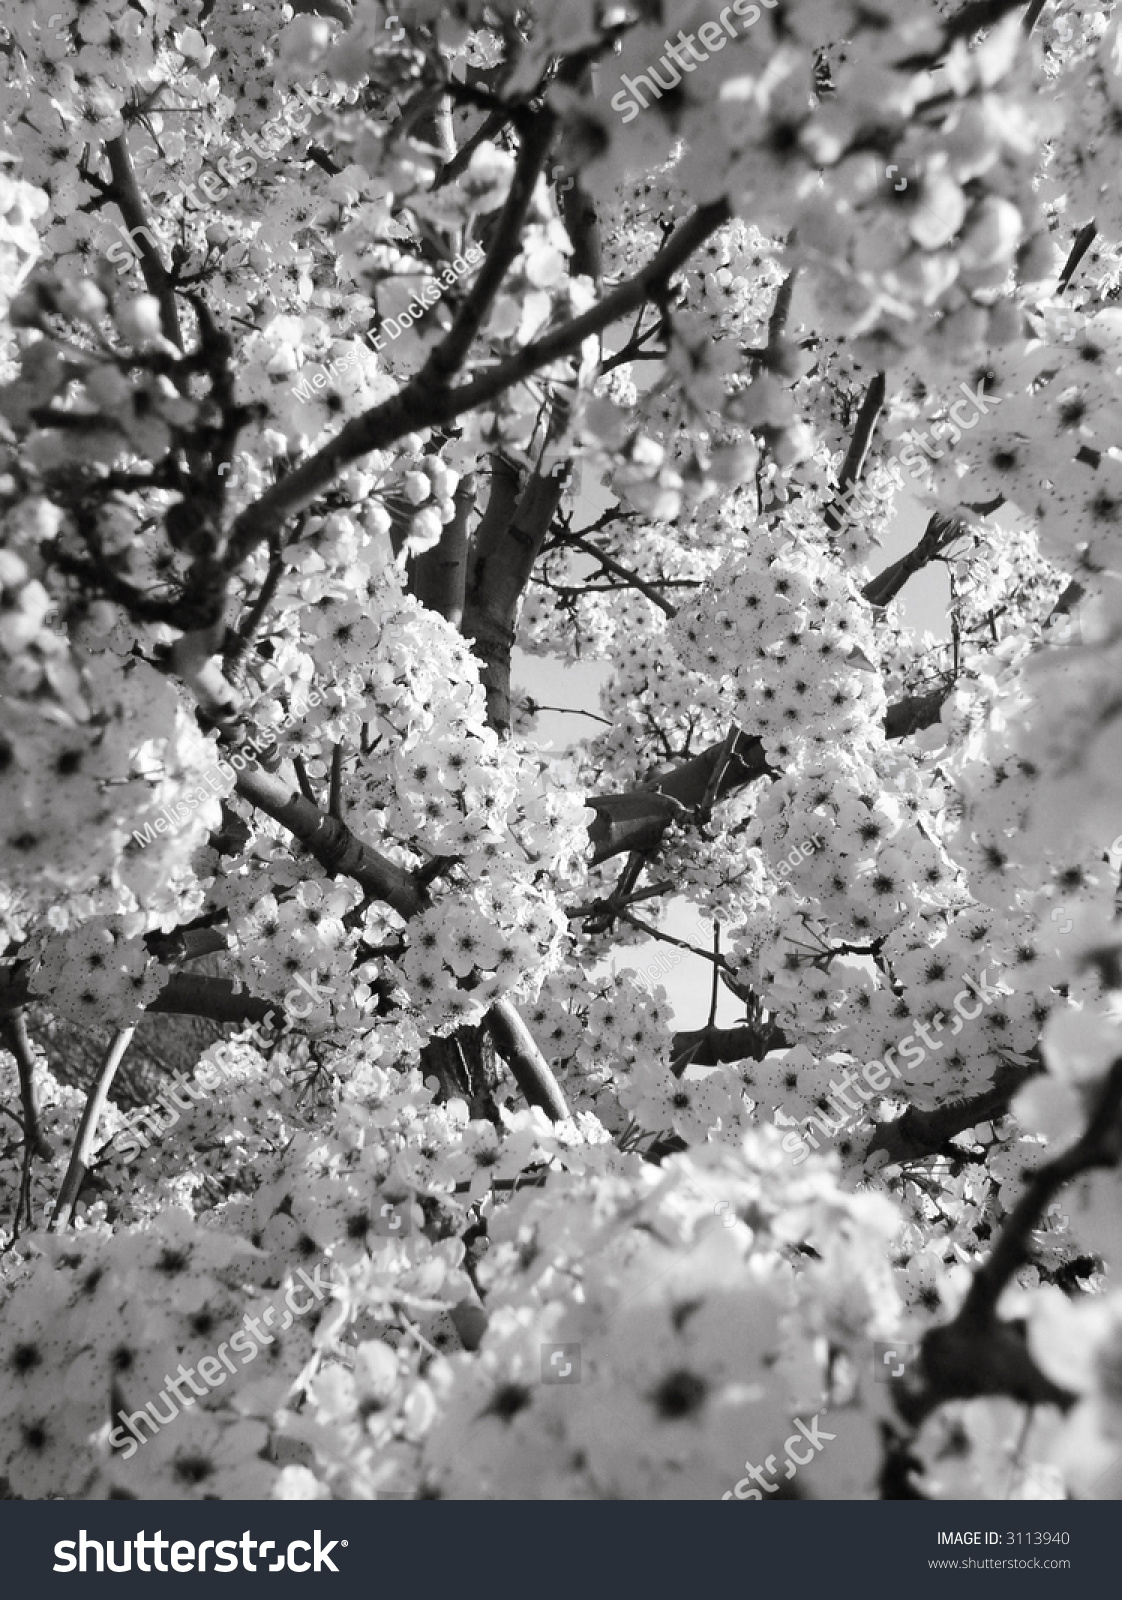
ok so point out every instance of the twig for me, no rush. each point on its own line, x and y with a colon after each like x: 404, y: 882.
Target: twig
x: 20, y: 1045
x: 532, y: 707
x: 83, y: 1150
x: 494, y: 122
x: 238, y: 647
x: 598, y: 907
x: 634, y: 349
x: 610, y: 564
x: 712, y: 1022
x: 669, y: 938
x: 1082, y: 242
x: 335, y: 795
x: 777, y: 322
x: 304, y: 781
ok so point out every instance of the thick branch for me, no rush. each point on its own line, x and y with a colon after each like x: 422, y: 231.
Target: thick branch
x: 126, y: 192
x: 505, y: 550
x: 438, y: 577
x: 195, y: 994
x: 423, y: 404
x: 332, y: 843
x: 939, y: 533
x: 637, y: 818
x: 515, y: 1043
x: 920, y: 1132
x: 854, y: 464
x: 712, y: 1046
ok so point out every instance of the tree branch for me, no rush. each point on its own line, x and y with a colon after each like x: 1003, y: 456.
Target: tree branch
x: 976, y: 15
x: 450, y: 353
x: 1100, y: 1146
x: 126, y: 192
x: 196, y: 994
x: 975, y: 1354
x: 19, y: 1043
x: 632, y: 579
x: 1082, y: 242
x: 438, y: 578
x: 637, y: 818
x: 669, y: 938
x: 82, y: 1153
x: 712, y: 1046
x: 332, y: 843
x: 854, y: 464
x: 505, y: 549
x: 921, y: 1132
x: 494, y: 122
x: 529, y: 1068
x: 424, y: 404
x: 940, y: 532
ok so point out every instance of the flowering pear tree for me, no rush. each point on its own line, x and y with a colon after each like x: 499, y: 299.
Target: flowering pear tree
x: 342, y: 351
